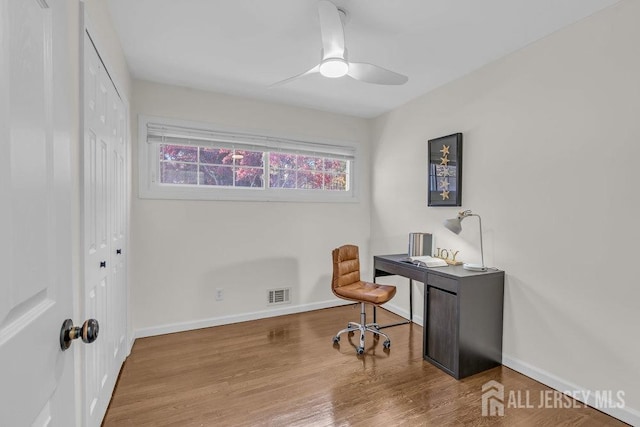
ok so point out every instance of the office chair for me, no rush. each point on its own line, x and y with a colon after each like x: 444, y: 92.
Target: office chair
x: 346, y: 284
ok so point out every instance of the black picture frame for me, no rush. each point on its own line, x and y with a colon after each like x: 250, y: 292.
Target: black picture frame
x: 444, y: 181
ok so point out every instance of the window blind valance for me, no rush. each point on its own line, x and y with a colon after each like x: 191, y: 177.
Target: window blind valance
x: 159, y: 133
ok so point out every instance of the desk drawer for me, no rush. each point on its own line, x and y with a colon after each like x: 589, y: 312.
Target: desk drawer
x: 441, y: 282
x: 410, y: 271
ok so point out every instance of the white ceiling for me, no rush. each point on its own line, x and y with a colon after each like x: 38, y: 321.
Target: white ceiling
x: 240, y: 47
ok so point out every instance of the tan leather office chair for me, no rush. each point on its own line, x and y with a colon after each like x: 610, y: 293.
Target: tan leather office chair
x: 346, y: 284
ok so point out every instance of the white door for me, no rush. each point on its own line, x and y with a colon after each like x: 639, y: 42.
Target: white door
x: 36, y: 376
x: 118, y: 231
x: 104, y: 217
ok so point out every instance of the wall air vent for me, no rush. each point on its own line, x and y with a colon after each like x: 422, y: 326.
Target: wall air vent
x: 279, y: 296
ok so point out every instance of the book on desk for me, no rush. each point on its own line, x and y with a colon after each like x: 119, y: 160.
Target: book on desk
x: 427, y: 261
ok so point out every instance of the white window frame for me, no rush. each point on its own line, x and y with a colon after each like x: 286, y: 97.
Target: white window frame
x: 149, y: 154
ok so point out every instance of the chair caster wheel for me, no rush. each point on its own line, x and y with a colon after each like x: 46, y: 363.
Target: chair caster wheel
x: 386, y: 344
x: 360, y: 350
x: 336, y: 340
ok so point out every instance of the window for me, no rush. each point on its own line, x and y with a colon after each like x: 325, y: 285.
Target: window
x: 191, y: 161
x: 223, y: 167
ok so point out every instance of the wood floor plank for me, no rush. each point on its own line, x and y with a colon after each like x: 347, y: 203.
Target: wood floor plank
x: 284, y: 371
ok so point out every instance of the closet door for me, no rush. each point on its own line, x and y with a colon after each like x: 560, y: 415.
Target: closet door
x: 118, y: 225
x: 104, y: 216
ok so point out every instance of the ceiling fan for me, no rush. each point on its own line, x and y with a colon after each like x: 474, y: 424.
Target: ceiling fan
x: 334, y: 62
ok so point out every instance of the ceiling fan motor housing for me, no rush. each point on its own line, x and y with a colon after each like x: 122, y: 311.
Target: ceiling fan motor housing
x: 333, y: 67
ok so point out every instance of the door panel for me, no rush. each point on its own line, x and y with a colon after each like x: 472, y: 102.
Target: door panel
x: 35, y: 224
x: 441, y: 327
x: 96, y: 248
x: 90, y: 205
x: 105, y: 230
x: 119, y: 218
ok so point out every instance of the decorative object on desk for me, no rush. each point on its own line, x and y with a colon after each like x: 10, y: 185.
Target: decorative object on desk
x: 454, y: 225
x: 449, y: 255
x: 444, y: 186
x: 419, y: 244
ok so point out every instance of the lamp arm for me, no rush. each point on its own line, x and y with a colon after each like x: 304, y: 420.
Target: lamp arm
x: 481, y: 248
x: 464, y: 214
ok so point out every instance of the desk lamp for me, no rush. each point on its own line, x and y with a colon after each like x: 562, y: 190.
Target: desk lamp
x: 454, y: 225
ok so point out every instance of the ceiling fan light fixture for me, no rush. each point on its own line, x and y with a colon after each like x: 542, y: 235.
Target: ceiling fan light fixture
x: 334, y: 67
x: 334, y: 61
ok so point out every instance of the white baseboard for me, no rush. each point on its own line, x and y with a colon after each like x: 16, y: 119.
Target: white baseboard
x: 626, y: 414
x: 132, y: 340
x: 235, y: 318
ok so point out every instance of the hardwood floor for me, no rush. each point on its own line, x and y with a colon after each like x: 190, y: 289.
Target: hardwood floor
x: 284, y: 371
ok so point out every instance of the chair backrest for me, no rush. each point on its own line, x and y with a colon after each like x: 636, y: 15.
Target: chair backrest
x: 346, y: 266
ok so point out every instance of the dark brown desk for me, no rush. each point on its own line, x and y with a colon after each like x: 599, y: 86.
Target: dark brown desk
x: 462, y: 331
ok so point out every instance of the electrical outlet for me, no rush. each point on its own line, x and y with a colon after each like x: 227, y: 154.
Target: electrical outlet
x: 219, y: 294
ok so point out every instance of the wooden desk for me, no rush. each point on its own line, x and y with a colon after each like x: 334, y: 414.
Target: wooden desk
x: 462, y: 313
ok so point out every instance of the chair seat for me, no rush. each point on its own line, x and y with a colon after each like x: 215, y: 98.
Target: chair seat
x: 368, y: 292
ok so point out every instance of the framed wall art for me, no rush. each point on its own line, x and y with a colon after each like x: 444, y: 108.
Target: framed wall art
x: 444, y: 186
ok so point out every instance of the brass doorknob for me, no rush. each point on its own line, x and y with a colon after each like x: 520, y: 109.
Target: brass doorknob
x: 88, y: 332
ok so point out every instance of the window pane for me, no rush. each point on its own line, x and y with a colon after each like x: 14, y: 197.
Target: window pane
x: 216, y: 175
x: 249, y: 177
x: 250, y: 158
x: 335, y: 182
x: 335, y: 165
x: 178, y: 173
x: 216, y: 156
x: 309, y: 163
x: 309, y: 180
x: 279, y: 161
x: 178, y: 153
x: 282, y: 178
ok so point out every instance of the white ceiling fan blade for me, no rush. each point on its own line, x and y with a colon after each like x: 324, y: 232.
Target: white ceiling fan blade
x: 315, y: 69
x: 331, y: 29
x: 373, y: 74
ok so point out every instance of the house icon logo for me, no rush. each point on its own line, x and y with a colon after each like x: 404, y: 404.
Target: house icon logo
x: 492, y: 399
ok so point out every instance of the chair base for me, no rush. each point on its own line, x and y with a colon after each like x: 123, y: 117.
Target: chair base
x: 363, y: 327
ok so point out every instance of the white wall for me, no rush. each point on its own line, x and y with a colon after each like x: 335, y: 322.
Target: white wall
x: 183, y: 250
x: 551, y: 151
